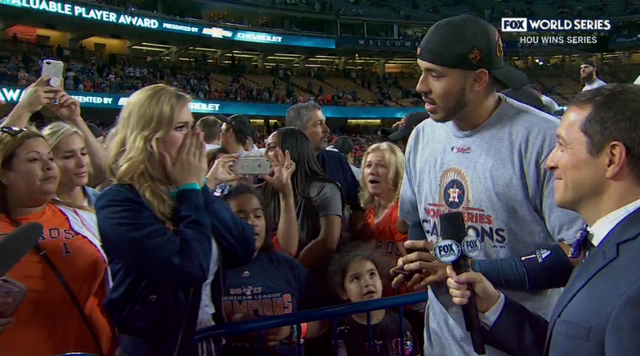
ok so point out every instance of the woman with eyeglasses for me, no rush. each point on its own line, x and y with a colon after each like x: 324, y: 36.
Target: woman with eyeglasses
x: 66, y: 275
x: 165, y: 234
x: 78, y: 153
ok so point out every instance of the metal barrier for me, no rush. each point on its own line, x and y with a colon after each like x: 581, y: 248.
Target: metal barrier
x: 328, y: 313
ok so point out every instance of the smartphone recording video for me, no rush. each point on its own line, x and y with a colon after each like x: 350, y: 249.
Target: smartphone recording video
x: 252, y: 166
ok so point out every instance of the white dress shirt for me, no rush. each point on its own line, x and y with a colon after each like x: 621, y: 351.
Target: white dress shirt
x: 604, y: 225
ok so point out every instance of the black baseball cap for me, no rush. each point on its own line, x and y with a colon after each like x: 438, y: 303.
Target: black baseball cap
x: 589, y: 63
x: 240, y: 124
x: 470, y: 43
x: 343, y: 144
x: 412, y: 120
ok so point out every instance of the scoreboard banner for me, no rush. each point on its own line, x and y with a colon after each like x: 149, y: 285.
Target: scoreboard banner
x: 161, y: 24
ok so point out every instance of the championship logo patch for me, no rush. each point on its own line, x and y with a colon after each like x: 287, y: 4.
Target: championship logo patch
x: 474, y: 56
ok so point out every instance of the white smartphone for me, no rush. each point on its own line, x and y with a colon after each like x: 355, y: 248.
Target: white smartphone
x: 53, y: 69
x: 15, y: 290
x: 252, y: 166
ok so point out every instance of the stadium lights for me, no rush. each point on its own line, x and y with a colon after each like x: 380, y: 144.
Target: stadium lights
x: 284, y: 58
x: 332, y: 57
x: 247, y: 52
x: 156, y: 45
x: 322, y: 59
x: 148, y: 48
x: 205, y: 49
x: 288, y: 55
x: 239, y: 55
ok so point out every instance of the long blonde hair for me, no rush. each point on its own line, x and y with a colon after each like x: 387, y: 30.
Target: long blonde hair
x: 148, y: 115
x: 56, y: 132
x: 394, y: 158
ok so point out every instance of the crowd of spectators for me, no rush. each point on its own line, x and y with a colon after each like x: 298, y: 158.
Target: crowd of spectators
x: 89, y: 71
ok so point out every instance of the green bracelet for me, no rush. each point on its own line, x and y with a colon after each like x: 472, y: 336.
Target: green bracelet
x: 190, y: 186
x: 186, y: 186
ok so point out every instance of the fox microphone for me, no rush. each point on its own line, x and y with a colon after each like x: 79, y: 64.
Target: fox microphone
x: 457, y: 248
x: 17, y: 244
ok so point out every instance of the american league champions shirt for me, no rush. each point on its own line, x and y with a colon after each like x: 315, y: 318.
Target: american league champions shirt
x: 495, y: 176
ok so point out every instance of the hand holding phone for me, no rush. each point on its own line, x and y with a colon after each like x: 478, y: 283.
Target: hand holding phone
x: 399, y: 270
x: 252, y: 166
x: 54, y: 71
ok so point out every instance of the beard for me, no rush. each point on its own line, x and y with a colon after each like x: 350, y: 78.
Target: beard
x: 459, y: 105
x: 587, y: 78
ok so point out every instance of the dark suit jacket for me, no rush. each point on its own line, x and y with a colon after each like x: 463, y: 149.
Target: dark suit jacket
x: 597, y: 314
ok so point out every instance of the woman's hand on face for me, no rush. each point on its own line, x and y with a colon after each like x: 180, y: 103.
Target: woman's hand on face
x: 283, y: 168
x: 222, y: 170
x: 190, y: 163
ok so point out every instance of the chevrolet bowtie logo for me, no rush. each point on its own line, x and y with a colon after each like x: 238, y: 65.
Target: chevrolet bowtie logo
x: 217, y: 32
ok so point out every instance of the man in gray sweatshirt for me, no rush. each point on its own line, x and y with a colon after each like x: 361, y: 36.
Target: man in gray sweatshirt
x: 482, y: 154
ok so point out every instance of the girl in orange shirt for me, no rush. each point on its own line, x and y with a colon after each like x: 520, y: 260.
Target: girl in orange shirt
x: 47, y: 321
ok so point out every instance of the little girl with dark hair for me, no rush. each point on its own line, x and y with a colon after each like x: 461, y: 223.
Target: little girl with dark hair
x: 356, y: 276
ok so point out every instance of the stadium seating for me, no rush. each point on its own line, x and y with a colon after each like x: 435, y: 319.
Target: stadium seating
x: 427, y: 10
x: 558, y: 83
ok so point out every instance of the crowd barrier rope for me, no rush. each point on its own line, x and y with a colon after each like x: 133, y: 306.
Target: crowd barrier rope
x: 329, y: 313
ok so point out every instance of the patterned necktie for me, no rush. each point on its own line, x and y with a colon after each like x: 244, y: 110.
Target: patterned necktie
x: 582, y: 245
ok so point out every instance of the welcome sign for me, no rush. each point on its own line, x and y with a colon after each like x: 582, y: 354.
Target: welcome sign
x: 159, y: 24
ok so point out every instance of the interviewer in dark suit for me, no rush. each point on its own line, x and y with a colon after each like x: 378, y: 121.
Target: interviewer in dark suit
x: 596, y: 163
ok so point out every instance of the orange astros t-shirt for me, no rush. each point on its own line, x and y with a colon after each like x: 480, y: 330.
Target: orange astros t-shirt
x: 386, y: 237
x: 47, y: 323
x: 385, y: 231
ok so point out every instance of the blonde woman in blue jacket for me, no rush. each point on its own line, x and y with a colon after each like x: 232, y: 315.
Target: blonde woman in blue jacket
x: 162, y: 230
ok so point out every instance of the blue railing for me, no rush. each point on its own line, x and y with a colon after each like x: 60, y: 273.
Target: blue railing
x: 328, y: 313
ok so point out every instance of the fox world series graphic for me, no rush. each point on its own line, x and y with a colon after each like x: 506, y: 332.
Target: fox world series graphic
x: 456, y: 195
